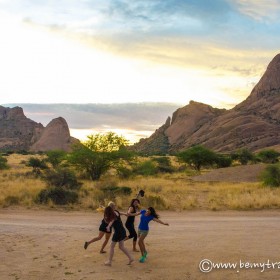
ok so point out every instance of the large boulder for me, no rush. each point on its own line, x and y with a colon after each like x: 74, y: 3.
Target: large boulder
x: 56, y: 136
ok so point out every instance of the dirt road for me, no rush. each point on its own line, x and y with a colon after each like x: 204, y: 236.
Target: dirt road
x: 49, y: 245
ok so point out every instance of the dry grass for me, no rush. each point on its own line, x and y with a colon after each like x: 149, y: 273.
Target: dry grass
x: 171, y: 191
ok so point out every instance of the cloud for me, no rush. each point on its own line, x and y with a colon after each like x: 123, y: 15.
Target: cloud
x: 134, y: 116
x: 259, y: 10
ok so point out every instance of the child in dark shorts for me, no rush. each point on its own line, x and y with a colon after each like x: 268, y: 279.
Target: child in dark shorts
x: 102, y: 231
x: 114, y: 219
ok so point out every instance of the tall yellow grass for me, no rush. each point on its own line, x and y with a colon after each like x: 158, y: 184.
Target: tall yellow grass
x: 173, y: 191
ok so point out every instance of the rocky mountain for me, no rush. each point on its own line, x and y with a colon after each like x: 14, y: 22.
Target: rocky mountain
x: 252, y: 124
x: 17, y: 132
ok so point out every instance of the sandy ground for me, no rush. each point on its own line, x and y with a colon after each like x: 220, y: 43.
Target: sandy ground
x: 49, y: 245
x: 241, y: 173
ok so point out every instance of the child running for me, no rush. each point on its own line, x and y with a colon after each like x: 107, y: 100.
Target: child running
x: 143, y: 229
x: 102, y: 231
x: 114, y: 219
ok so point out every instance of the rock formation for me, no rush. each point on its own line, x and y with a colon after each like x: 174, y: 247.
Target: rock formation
x: 17, y: 133
x: 55, y: 136
x: 253, y: 124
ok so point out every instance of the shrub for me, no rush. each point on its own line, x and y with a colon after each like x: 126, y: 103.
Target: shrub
x: 145, y: 168
x: 124, y: 172
x: 164, y: 165
x: 37, y: 164
x: 55, y: 157
x: 57, y: 195
x: 155, y: 201
x: 112, y: 191
x: 271, y: 175
x: 244, y: 156
x: 268, y: 156
x: 62, y: 177
x: 11, y: 200
x: 3, y: 163
x: 223, y: 161
x: 124, y: 190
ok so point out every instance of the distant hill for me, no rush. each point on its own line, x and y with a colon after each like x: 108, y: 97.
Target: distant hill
x: 252, y: 124
x: 17, y: 132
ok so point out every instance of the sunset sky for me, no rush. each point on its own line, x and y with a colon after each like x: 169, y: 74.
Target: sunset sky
x: 112, y: 51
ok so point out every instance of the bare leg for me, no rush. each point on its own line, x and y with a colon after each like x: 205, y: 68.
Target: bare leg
x: 121, y: 246
x: 107, y: 237
x: 101, y: 234
x: 142, y: 244
x: 112, y: 247
x: 134, y: 246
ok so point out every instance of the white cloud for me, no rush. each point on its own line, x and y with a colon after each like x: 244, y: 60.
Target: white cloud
x: 258, y: 9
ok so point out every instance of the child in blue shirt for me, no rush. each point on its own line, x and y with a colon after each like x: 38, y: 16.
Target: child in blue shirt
x: 143, y: 228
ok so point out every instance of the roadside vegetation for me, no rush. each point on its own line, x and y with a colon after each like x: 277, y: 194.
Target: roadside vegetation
x: 103, y: 169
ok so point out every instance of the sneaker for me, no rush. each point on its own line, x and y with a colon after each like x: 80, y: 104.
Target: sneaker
x: 142, y: 259
x: 85, y: 245
x: 145, y: 254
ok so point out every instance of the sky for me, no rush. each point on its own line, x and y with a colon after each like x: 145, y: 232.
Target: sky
x: 123, y: 51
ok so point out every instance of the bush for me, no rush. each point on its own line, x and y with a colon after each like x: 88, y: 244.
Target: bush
x: 124, y: 172
x: 164, y: 165
x: 55, y: 157
x: 62, y: 177
x: 271, y: 175
x: 268, y: 156
x: 3, y: 163
x: 37, y: 164
x: 223, y: 161
x: 57, y: 195
x: 146, y: 168
x: 155, y: 201
x: 244, y: 156
x: 11, y: 200
x: 112, y: 191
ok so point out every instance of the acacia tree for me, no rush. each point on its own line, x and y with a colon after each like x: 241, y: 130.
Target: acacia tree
x: 99, y: 153
x: 198, y: 156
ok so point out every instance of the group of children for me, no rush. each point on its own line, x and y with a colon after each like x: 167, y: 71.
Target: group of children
x: 112, y: 219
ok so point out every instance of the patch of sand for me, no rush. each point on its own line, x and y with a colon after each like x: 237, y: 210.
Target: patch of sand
x: 49, y: 245
x: 243, y: 173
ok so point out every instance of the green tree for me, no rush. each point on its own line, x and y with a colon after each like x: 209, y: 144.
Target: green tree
x: 99, y: 153
x: 268, y: 156
x: 55, y: 157
x: 198, y: 156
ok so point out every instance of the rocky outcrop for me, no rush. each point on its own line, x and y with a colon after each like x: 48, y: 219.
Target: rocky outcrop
x: 17, y: 133
x: 56, y: 136
x: 157, y: 143
x: 252, y: 124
